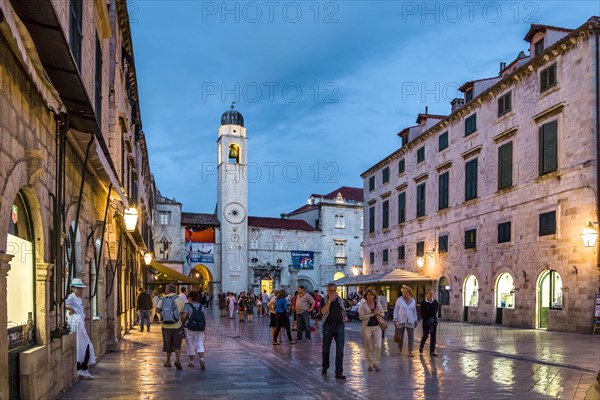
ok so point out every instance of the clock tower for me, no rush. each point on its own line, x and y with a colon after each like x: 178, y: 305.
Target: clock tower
x: 232, y: 201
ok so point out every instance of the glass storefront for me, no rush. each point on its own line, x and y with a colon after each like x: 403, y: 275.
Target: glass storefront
x: 471, y: 292
x: 21, y: 278
x: 505, y: 295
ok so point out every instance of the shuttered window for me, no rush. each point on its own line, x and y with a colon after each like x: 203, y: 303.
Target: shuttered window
x: 421, y: 200
x: 471, y: 239
x: 548, y: 78
x: 505, y: 166
x: 371, y: 219
x: 504, y: 232
x: 548, y: 147
x: 443, y: 244
x: 76, y: 29
x: 471, y: 180
x: 443, y: 191
x: 504, y: 104
x: 401, y: 207
x: 443, y: 141
x: 470, y: 124
x: 385, y: 214
x: 548, y: 223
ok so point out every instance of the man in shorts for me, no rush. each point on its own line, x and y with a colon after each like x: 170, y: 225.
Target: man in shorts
x: 172, y: 332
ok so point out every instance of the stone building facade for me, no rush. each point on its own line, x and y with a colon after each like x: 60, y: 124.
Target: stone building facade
x: 73, y: 158
x: 339, y: 217
x: 491, y: 200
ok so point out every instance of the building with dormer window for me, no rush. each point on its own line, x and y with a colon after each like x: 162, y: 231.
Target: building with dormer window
x: 488, y: 204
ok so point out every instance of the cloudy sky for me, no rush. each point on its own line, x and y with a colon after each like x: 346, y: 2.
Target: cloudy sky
x: 323, y: 86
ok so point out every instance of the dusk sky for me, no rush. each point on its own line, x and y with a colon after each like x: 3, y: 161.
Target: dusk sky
x: 323, y: 86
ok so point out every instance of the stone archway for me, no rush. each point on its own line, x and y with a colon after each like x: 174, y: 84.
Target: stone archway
x: 202, y: 273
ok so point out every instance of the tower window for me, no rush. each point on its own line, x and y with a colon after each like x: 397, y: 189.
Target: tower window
x: 234, y: 153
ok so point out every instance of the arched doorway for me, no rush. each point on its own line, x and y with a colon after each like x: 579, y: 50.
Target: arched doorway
x: 266, y: 283
x: 308, y: 286
x: 21, y: 292
x: 202, y: 273
x: 549, y: 296
x: 470, y: 295
x: 504, y: 294
x: 342, y: 290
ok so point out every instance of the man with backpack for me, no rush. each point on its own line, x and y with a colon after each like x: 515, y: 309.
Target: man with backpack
x: 170, y: 308
x: 194, y: 322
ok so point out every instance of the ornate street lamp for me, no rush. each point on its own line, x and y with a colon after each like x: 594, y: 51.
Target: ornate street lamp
x: 355, y: 271
x: 589, y: 235
x: 130, y: 216
x: 148, y: 258
x: 420, y: 262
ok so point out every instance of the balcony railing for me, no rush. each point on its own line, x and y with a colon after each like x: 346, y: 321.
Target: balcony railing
x: 340, y: 260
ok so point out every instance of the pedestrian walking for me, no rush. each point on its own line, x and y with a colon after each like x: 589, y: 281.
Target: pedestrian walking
x: 429, y: 309
x: 305, y: 304
x: 231, y: 305
x: 76, y: 319
x: 249, y: 307
x: 334, y: 319
x: 222, y: 298
x: 265, y: 300
x: 241, y: 301
x: 368, y: 312
x: 170, y: 308
x: 282, y: 318
x: 384, y: 303
x: 183, y: 295
x: 155, y: 299
x: 405, y: 319
x: 143, y: 305
x: 194, y: 322
x: 316, y: 314
x: 259, y: 306
x: 273, y: 318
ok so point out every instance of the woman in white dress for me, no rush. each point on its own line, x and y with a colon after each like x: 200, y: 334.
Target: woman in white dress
x: 76, y: 320
x: 231, y: 305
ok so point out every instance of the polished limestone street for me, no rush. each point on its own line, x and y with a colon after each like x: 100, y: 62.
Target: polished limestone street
x: 474, y: 362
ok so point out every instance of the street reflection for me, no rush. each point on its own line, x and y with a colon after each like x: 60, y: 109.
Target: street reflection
x: 469, y: 364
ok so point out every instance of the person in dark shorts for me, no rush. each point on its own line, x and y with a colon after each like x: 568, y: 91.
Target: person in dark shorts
x: 172, y: 332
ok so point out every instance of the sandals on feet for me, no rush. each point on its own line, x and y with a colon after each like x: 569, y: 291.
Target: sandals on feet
x: 167, y: 364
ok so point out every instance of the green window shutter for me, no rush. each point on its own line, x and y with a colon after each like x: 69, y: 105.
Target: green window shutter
x: 420, y: 249
x: 401, y: 166
x: 371, y: 219
x: 421, y: 200
x: 443, y: 191
x: 385, y: 214
x: 471, y: 180
x: 548, y: 147
x: 505, y: 166
x: 401, y: 207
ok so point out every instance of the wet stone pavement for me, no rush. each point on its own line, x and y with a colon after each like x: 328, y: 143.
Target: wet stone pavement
x: 475, y: 362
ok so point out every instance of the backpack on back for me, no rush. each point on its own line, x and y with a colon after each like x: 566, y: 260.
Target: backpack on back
x: 196, y: 321
x: 169, y: 313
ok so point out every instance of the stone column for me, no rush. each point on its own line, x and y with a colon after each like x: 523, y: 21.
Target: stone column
x: 42, y: 301
x: 4, y: 268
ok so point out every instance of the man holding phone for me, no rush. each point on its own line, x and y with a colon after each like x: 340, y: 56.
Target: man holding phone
x: 334, y: 317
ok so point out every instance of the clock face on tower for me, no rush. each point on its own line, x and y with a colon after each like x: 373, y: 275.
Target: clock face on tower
x: 235, y: 213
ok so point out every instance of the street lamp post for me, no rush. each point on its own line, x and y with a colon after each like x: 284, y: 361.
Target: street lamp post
x: 130, y: 215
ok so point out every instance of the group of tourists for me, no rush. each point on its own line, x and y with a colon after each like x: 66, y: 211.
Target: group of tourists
x: 183, y: 316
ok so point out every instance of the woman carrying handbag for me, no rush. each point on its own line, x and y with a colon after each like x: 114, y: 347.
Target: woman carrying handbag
x: 371, y: 313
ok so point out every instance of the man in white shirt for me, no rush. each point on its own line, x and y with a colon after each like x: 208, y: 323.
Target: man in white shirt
x: 182, y: 295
